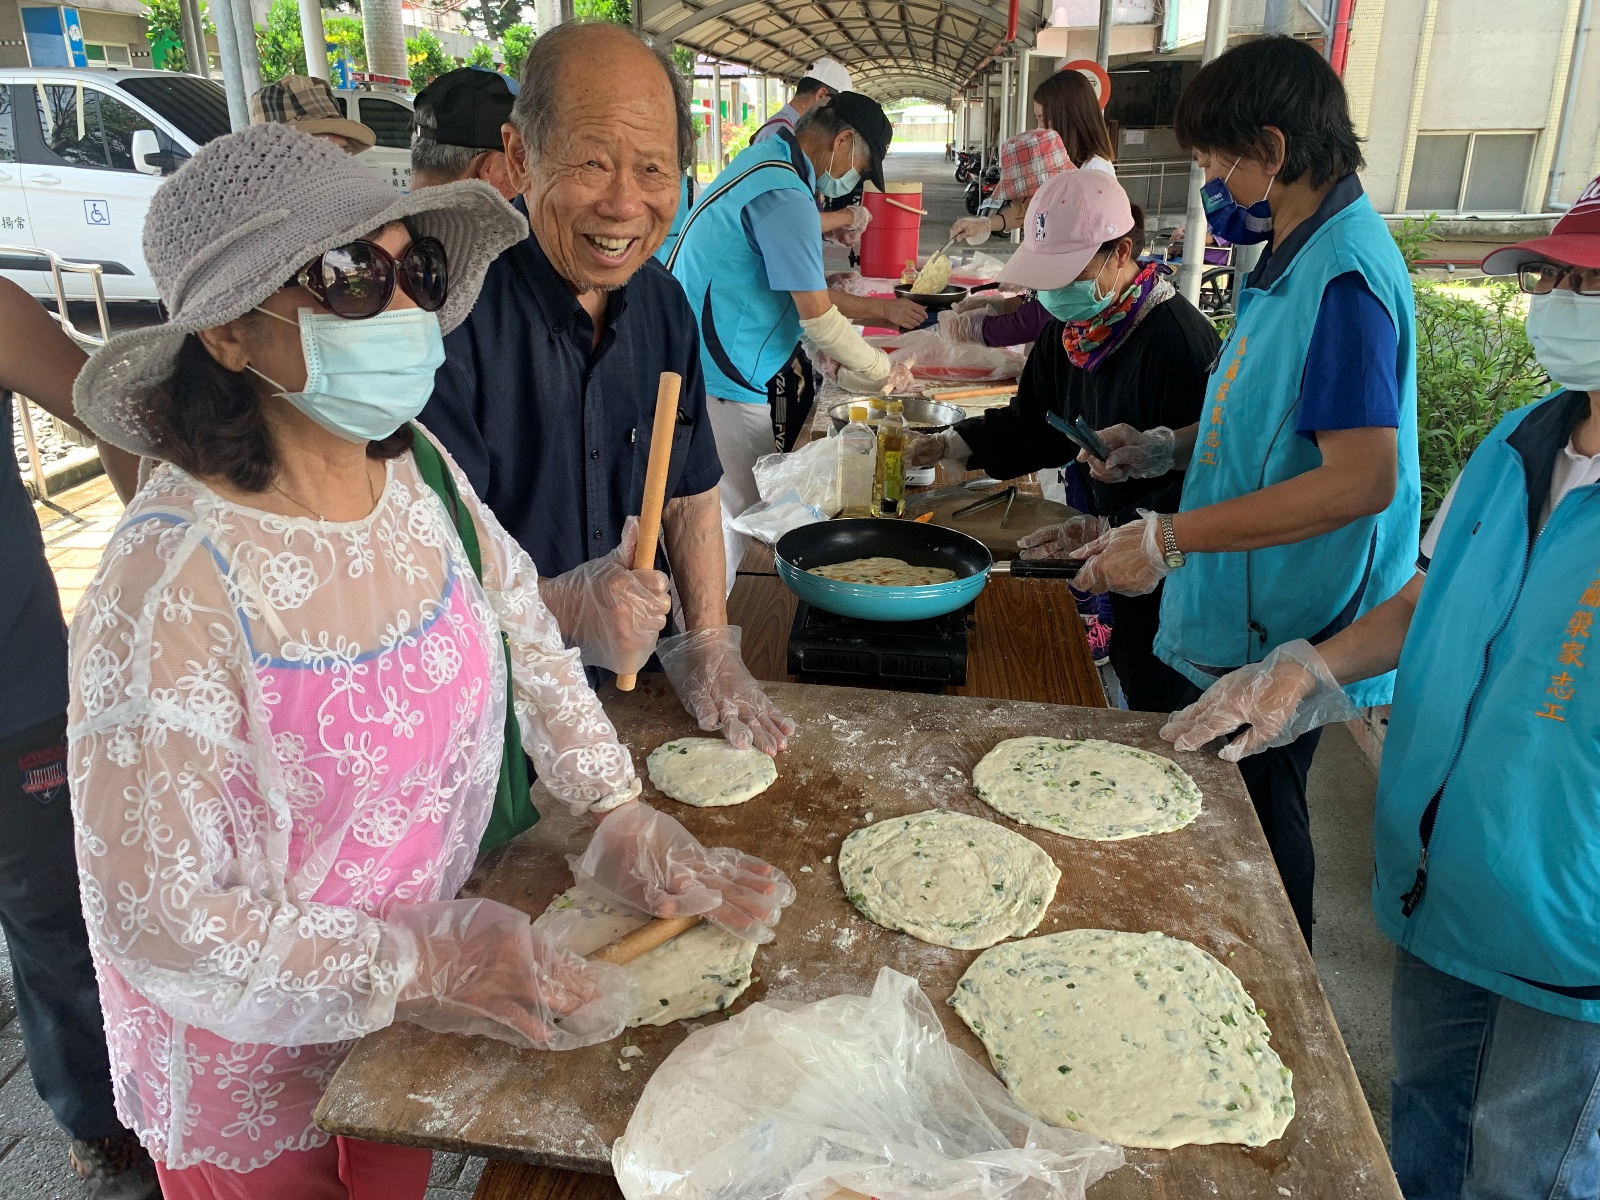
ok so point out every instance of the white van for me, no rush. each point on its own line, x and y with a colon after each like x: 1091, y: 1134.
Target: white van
x: 82, y: 152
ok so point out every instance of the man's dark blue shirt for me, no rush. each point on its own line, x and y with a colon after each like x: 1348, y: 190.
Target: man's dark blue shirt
x: 555, y: 435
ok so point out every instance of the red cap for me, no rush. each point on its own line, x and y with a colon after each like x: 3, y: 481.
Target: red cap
x: 1068, y: 220
x: 1575, y: 239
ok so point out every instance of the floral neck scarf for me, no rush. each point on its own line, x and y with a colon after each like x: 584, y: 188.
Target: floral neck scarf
x: 1089, y: 343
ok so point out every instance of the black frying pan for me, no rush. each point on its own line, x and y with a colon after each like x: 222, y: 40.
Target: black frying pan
x: 949, y: 298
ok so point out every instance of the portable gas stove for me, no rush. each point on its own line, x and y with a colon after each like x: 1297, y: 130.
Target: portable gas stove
x: 825, y: 647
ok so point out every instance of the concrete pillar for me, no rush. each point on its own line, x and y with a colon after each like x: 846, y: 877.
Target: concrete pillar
x: 550, y: 13
x: 385, y: 37
x: 194, y: 42
x: 316, y: 40
x: 1005, y: 98
x: 716, y: 117
x: 222, y: 13
x: 1102, y: 42
x: 1194, y: 235
x: 244, y: 28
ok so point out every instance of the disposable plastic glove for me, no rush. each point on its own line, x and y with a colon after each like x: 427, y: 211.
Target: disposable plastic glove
x: 1058, y: 541
x: 644, y: 859
x: 719, y: 692
x: 482, y: 969
x: 974, y: 231
x: 1134, y: 454
x: 850, y: 234
x: 961, y: 327
x: 611, y: 613
x: 1290, y: 692
x: 1128, y: 560
x: 987, y: 305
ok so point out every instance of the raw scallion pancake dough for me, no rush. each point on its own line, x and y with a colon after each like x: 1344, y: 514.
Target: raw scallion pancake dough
x: 1137, y: 1038
x: 699, y: 971
x: 709, y: 773
x: 1091, y: 789
x: 883, y: 572
x: 948, y: 878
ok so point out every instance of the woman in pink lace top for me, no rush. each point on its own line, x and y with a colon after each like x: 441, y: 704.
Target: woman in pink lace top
x: 289, y: 688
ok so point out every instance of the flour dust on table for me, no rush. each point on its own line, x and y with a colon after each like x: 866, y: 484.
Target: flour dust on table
x: 1101, y: 791
x: 1138, y: 1038
x: 702, y: 970
x: 709, y: 773
x: 948, y: 878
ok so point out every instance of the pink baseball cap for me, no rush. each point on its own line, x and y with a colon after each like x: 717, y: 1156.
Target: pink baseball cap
x: 1575, y: 239
x: 1068, y: 220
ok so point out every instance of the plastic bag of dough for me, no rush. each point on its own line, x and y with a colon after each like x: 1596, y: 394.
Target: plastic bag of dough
x: 974, y: 268
x: 796, y: 1102
x: 934, y: 358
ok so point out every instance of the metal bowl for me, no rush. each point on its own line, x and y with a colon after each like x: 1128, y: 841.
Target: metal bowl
x: 921, y: 545
x: 922, y: 416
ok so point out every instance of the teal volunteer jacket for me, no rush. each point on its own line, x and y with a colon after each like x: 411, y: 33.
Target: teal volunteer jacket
x: 1492, y: 757
x: 1222, y: 611
x: 747, y: 330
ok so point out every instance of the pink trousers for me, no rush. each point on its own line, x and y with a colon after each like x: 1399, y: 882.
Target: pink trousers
x: 344, y: 1169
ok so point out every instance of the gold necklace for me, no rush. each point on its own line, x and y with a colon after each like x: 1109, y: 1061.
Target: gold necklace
x: 372, y: 496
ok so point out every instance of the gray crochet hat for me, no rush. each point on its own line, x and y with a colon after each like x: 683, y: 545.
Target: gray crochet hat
x: 243, y: 216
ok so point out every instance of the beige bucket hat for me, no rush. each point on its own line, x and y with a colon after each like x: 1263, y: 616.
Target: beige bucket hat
x: 241, y: 217
x: 306, y: 103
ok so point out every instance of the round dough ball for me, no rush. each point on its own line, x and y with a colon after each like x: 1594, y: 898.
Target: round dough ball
x: 948, y: 879
x: 1101, y: 791
x: 1138, y: 1038
x: 709, y: 773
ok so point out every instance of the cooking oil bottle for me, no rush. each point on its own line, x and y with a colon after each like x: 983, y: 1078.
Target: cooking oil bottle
x: 857, y: 459
x: 891, y: 472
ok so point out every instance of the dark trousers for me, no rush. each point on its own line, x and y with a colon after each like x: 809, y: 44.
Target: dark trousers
x: 58, y: 1003
x: 792, y: 392
x: 1148, y: 684
x: 1276, y: 781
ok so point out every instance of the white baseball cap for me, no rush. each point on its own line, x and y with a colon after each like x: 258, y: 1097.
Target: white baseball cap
x: 1068, y: 220
x: 830, y: 74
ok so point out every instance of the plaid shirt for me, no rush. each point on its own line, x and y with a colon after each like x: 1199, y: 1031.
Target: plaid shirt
x: 1027, y: 162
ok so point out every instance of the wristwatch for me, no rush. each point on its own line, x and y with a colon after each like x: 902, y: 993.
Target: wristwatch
x: 1169, y: 542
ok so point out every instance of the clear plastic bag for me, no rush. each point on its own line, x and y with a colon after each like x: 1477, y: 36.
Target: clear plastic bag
x: 974, y: 268
x: 936, y: 359
x: 796, y: 489
x: 796, y: 1102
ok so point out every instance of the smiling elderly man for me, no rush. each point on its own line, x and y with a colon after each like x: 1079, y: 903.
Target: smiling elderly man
x: 547, y: 395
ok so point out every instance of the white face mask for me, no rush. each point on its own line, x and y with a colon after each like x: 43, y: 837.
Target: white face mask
x: 1564, y: 328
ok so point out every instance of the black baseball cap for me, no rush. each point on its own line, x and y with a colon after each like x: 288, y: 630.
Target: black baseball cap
x: 867, y: 118
x: 467, y: 106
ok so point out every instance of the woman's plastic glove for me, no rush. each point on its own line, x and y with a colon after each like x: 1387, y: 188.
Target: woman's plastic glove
x: 482, y: 969
x: 1290, y: 692
x: 974, y: 231
x: 609, y: 612
x: 1058, y: 541
x: 961, y: 327
x: 849, y: 233
x: 719, y: 692
x: 987, y: 305
x: 645, y: 860
x: 1128, y: 560
x: 1134, y: 454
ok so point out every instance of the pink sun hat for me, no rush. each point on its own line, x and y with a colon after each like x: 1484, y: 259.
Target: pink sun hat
x: 1068, y: 220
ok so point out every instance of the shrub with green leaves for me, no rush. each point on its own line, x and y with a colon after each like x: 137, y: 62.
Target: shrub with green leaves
x: 514, y: 46
x: 481, y: 56
x: 426, y: 59
x: 1474, y: 365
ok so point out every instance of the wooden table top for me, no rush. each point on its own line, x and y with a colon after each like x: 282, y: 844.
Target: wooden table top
x: 1025, y: 639
x: 860, y: 756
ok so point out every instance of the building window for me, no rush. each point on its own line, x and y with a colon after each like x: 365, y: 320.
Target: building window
x: 107, y: 54
x: 1470, y: 172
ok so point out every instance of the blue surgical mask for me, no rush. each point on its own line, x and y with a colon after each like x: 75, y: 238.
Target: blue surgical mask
x: 1564, y: 328
x: 1078, y: 301
x: 831, y: 186
x: 1232, y: 221
x: 365, y: 379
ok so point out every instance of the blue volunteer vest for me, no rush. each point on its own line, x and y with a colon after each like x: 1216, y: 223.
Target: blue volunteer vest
x: 1497, y: 714
x: 1224, y: 610
x: 685, y: 203
x: 747, y: 330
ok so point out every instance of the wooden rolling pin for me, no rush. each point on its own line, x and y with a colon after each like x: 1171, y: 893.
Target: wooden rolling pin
x: 971, y: 393
x: 643, y: 940
x: 921, y: 212
x: 655, y: 488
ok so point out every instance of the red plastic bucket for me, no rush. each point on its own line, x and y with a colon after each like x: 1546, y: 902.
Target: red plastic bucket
x: 890, y: 240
